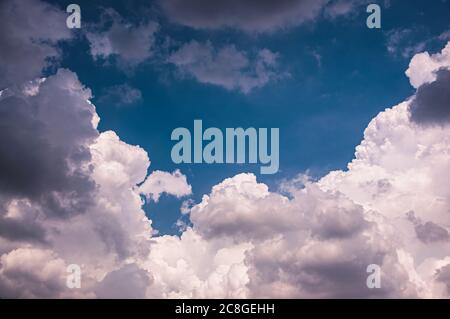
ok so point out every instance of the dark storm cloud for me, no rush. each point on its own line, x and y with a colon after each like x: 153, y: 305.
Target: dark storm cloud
x: 248, y: 15
x: 29, y: 30
x: 18, y: 230
x: 44, y: 140
x: 430, y: 232
x: 432, y: 102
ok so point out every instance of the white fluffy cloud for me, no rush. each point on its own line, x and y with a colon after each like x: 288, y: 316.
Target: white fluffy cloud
x: 159, y: 182
x: 227, y: 67
x: 102, y: 227
x: 423, y: 66
x: 389, y: 208
x: 316, y: 244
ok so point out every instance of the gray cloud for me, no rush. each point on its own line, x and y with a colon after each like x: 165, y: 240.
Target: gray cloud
x: 29, y: 30
x: 340, y: 8
x: 44, y: 140
x: 227, y: 67
x: 19, y: 230
x: 428, y: 232
x: 431, y: 104
x: 315, y: 245
x: 248, y: 15
x: 130, y: 44
x: 130, y: 282
x: 443, y: 275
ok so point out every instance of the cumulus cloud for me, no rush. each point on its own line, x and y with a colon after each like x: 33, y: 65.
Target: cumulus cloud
x: 85, y: 209
x: 29, y: 31
x: 191, y: 267
x: 159, y: 182
x: 30, y: 272
x: 129, y: 43
x: 423, y: 66
x: 120, y: 95
x: 315, y: 244
x: 389, y: 208
x: 315, y: 239
x: 227, y: 67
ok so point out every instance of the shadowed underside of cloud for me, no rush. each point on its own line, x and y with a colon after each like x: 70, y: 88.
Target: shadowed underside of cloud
x: 432, y: 102
x: 45, y: 151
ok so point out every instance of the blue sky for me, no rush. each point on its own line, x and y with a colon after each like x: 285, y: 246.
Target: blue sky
x: 336, y: 75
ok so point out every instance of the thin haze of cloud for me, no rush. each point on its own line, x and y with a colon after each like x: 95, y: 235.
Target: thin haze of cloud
x: 120, y: 95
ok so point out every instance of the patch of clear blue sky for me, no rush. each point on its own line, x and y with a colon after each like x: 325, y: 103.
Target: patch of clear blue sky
x: 321, y: 110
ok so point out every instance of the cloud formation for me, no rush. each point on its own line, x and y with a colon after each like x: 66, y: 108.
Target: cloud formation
x: 84, y: 209
x: 45, y: 147
x: 423, y: 66
x: 129, y: 43
x: 389, y: 208
x: 159, y: 182
x: 254, y: 16
x: 432, y: 101
x: 78, y: 199
x: 227, y: 66
x: 249, y: 15
x: 29, y: 31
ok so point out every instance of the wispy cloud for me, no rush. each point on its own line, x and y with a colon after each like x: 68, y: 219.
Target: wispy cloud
x: 120, y: 95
